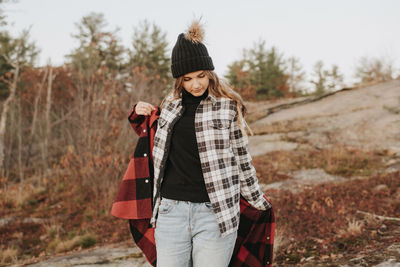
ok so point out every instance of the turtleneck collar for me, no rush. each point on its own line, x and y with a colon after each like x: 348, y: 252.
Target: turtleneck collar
x: 189, y: 98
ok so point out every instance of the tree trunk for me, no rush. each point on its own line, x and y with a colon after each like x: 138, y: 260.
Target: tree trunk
x: 4, y: 113
x: 20, y: 165
x: 45, y: 150
x: 35, y: 115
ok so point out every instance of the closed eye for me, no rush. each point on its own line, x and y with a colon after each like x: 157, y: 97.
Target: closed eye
x: 201, y: 75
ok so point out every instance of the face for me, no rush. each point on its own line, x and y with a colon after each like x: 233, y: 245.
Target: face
x: 196, y: 82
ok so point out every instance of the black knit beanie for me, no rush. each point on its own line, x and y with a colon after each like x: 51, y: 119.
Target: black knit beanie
x: 189, y: 53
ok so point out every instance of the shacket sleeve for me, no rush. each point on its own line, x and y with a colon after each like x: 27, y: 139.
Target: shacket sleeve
x: 249, y: 187
x: 136, y: 121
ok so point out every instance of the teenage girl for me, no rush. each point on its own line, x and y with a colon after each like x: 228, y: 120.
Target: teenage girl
x: 201, y: 162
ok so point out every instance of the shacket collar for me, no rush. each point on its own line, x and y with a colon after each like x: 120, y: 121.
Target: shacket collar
x: 178, y: 102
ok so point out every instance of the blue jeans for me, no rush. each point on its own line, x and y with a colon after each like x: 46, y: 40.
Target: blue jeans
x: 187, y: 234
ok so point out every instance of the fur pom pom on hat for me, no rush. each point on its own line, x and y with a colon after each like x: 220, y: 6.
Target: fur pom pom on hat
x: 195, y: 33
x: 189, y: 53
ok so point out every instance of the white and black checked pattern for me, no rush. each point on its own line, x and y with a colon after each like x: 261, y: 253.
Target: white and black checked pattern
x: 224, y: 157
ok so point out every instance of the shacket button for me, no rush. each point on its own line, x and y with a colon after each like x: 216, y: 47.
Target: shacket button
x: 144, y: 130
x: 145, y: 155
x: 146, y: 181
x: 267, y: 237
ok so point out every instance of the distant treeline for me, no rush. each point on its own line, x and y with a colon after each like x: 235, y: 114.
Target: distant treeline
x: 259, y: 73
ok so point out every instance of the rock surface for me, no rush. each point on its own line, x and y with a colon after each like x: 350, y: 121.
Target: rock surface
x: 107, y: 256
x: 261, y: 144
x: 367, y: 118
x: 303, y: 179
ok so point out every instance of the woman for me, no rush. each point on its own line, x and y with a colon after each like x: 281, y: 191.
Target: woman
x: 201, y: 162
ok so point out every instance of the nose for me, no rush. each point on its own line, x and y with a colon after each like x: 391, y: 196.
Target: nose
x: 196, y: 84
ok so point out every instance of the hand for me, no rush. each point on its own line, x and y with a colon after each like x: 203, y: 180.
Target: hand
x: 144, y: 108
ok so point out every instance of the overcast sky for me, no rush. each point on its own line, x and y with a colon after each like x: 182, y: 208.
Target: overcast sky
x: 337, y: 32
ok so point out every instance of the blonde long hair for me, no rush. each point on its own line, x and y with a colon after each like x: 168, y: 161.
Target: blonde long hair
x: 217, y: 88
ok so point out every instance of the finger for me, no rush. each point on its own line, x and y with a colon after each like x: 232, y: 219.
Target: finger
x: 144, y: 108
x: 141, y: 111
x: 148, y: 111
x: 149, y: 106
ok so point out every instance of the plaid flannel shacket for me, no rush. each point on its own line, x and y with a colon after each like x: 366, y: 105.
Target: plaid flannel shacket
x: 224, y: 157
x: 254, y: 244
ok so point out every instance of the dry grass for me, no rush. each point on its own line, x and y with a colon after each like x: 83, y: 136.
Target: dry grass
x: 22, y: 194
x: 371, y: 219
x: 8, y: 255
x: 337, y: 160
x: 294, y: 125
x: 354, y: 228
x: 53, y: 229
x: 84, y: 241
x: 282, y: 127
x: 67, y: 245
x: 259, y: 109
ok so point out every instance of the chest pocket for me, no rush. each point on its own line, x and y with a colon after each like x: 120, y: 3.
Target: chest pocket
x: 219, y: 129
x: 219, y: 124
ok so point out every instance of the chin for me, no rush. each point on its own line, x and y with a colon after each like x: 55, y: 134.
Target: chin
x: 198, y: 93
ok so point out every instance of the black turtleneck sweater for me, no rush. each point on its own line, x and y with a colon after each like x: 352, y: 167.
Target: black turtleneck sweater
x: 183, y: 177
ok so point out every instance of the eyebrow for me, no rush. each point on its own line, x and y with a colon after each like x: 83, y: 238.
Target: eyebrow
x: 201, y: 73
